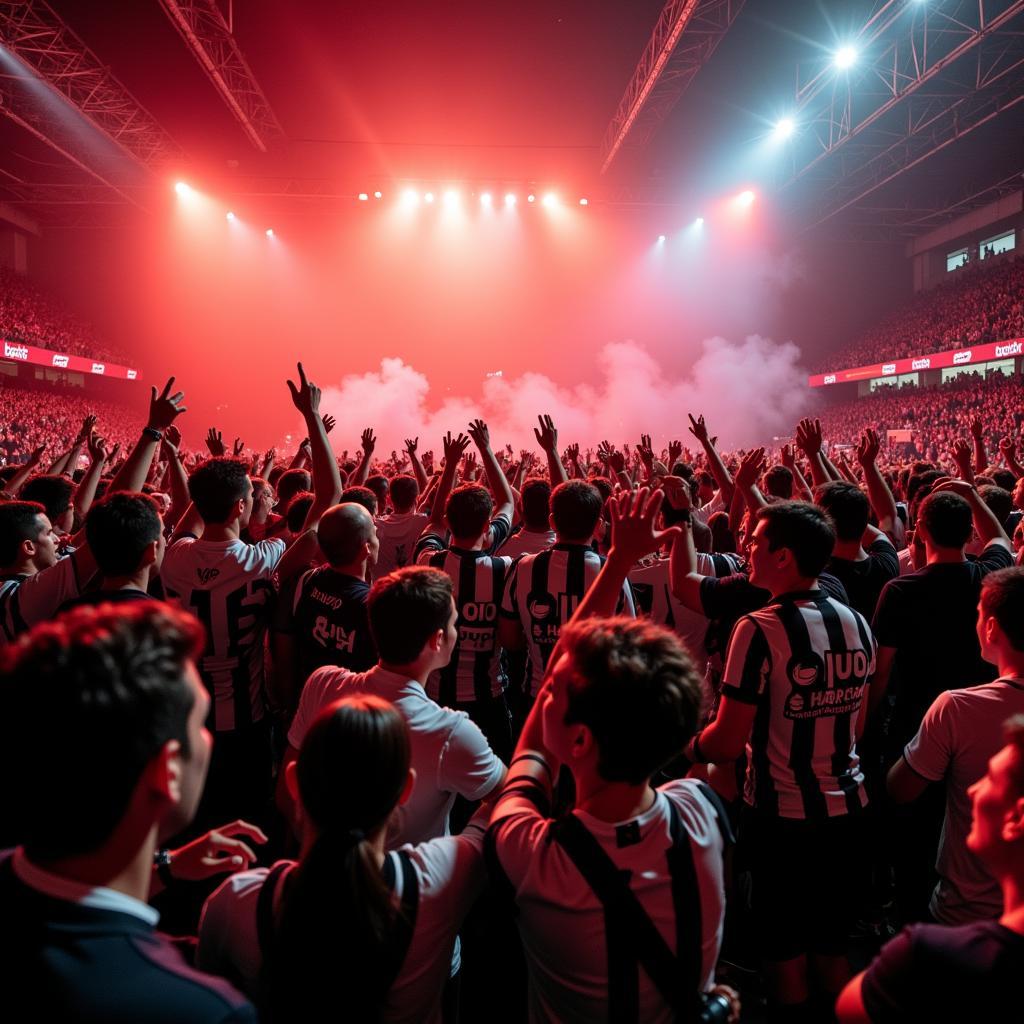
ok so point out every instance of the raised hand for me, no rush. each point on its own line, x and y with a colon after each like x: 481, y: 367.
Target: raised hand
x: 368, y: 441
x: 546, y: 434
x: 98, y: 446
x: 699, y: 428
x: 808, y: 436
x: 677, y: 491
x: 480, y: 434
x: 633, y: 515
x: 750, y: 468
x: 238, y: 447
x: 788, y: 456
x: 170, y: 444
x: 270, y: 456
x: 37, y: 455
x: 977, y: 428
x: 675, y: 449
x: 305, y: 397
x: 572, y: 453
x: 86, y: 429
x: 962, y: 456
x: 868, y: 447
x: 454, y: 448
x: 114, y: 452
x: 215, y: 442
x: 411, y: 444
x: 1008, y: 449
x: 164, y: 408
x: 645, y: 450
x: 604, y: 452
x: 469, y: 466
x: 328, y: 422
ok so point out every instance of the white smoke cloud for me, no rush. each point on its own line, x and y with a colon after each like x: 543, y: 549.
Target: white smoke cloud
x: 748, y: 391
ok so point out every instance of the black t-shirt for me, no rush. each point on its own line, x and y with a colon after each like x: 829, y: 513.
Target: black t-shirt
x: 329, y: 622
x: 865, y: 579
x: 97, y: 597
x: 930, y: 972
x: 929, y: 617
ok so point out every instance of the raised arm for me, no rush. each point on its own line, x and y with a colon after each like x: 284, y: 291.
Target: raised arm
x: 362, y: 471
x: 504, y: 501
x: 718, y: 468
x: 808, y: 439
x: 978, y: 437
x: 164, y: 408
x: 788, y: 458
x: 15, y: 484
x: 454, y: 448
x: 176, y: 475
x: 751, y: 466
x: 547, y: 438
x: 883, y: 504
x: 989, y: 529
x: 85, y: 493
x: 1008, y: 450
x: 326, y: 478
x: 962, y: 457
x: 411, y: 444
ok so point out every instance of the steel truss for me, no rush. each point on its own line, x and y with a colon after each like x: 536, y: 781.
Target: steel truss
x: 685, y: 36
x: 209, y: 37
x: 926, y: 76
x: 53, y: 53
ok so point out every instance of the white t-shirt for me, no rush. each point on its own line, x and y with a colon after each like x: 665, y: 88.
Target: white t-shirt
x: 561, y: 920
x: 228, y: 585
x: 397, y: 533
x: 450, y: 871
x: 527, y: 542
x: 960, y: 732
x: 449, y: 752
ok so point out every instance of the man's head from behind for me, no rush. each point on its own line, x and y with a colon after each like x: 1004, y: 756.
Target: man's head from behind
x: 125, y: 534
x: 404, y: 492
x: 292, y: 482
x: 348, y: 536
x: 1000, y: 625
x: 944, y: 520
x: 791, y: 545
x: 361, y: 496
x: 28, y: 541
x: 536, y: 498
x: 221, y: 491
x: 54, y: 493
x: 624, y: 699
x: 120, y: 745
x: 468, y: 511
x: 778, y: 481
x: 847, y: 506
x: 997, y: 827
x: 575, y: 511
x: 412, y: 616
x: 378, y: 483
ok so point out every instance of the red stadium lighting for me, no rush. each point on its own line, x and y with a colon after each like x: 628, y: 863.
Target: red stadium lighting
x: 270, y: 232
x: 745, y: 198
x: 377, y: 195
x: 550, y: 199
x: 510, y: 199
x: 661, y: 238
x: 182, y: 188
x: 531, y: 198
x: 584, y: 202
x: 485, y: 199
x: 363, y: 196
x: 231, y: 216
x: 429, y: 197
x: 410, y: 197
x: 451, y: 197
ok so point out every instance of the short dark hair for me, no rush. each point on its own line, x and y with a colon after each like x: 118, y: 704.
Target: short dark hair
x: 1002, y: 596
x: 946, y: 518
x: 120, y: 528
x: 722, y: 538
x: 52, y: 491
x: 576, y: 509
x: 636, y: 689
x: 361, y: 496
x: 216, y: 486
x: 802, y: 528
x: 404, y: 491
x: 107, y: 685
x: 292, y: 482
x: 19, y: 521
x: 297, y: 510
x: 779, y: 481
x: 536, y: 498
x: 604, y: 487
x: 378, y: 483
x: 999, y: 501
x: 847, y: 506
x: 1003, y: 478
x: 468, y: 510
x: 406, y: 608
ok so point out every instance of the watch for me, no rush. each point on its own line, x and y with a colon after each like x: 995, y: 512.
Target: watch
x: 153, y: 434
x: 162, y: 863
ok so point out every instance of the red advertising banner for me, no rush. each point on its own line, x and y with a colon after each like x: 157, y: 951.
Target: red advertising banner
x: 936, y: 361
x: 22, y: 353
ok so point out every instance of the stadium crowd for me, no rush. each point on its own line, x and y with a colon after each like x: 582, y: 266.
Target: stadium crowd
x: 625, y: 735
x: 31, y: 316
x: 982, y: 302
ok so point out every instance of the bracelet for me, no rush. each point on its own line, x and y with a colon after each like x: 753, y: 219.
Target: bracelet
x: 153, y: 434
x: 162, y: 863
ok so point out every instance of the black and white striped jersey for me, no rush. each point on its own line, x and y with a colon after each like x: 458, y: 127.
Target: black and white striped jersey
x: 29, y: 599
x: 804, y: 660
x: 544, y: 590
x: 478, y: 582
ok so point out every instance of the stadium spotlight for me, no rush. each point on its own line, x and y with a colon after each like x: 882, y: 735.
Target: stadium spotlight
x: 699, y: 222
x: 845, y: 57
x: 784, y: 128
x: 182, y: 188
x: 410, y: 197
x: 377, y: 195
x: 363, y: 197
x: 531, y: 198
x: 550, y: 199
x: 745, y: 198
x: 451, y: 197
x: 230, y: 215
x: 429, y: 197
x: 485, y: 199
x: 510, y: 199
x: 584, y: 202
x: 661, y: 238
x: 270, y: 232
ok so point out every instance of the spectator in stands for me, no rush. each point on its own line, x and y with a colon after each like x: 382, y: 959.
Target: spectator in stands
x: 536, y: 534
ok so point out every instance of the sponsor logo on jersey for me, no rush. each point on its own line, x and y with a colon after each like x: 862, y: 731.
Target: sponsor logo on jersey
x: 921, y: 364
x: 833, y: 685
x: 15, y: 351
x: 325, y: 632
x: 830, y: 378
x: 61, y: 361
x: 98, y: 367
x: 888, y: 368
x: 479, y: 611
x: 1012, y: 349
x: 328, y: 599
x: 206, y: 575
x: 961, y: 357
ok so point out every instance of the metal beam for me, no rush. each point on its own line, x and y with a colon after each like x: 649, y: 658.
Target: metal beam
x: 685, y: 36
x: 204, y: 30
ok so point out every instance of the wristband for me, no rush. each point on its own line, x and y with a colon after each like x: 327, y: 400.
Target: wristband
x: 162, y: 863
x: 153, y: 434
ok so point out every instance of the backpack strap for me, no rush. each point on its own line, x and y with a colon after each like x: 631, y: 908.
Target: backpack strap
x: 405, y: 919
x: 265, y: 907
x: 631, y: 937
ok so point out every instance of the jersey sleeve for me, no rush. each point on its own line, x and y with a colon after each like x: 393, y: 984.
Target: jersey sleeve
x: 931, y: 750
x: 500, y: 529
x: 747, y: 662
x: 429, y: 543
x: 467, y: 765
x: 37, y: 598
x: 263, y: 557
x: 515, y: 839
x: 995, y: 556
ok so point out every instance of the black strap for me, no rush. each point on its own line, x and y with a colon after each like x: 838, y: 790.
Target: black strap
x: 631, y: 937
x: 265, y: 907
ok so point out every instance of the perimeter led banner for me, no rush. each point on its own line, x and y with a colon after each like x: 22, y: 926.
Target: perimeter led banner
x: 936, y: 361
x: 22, y: 353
